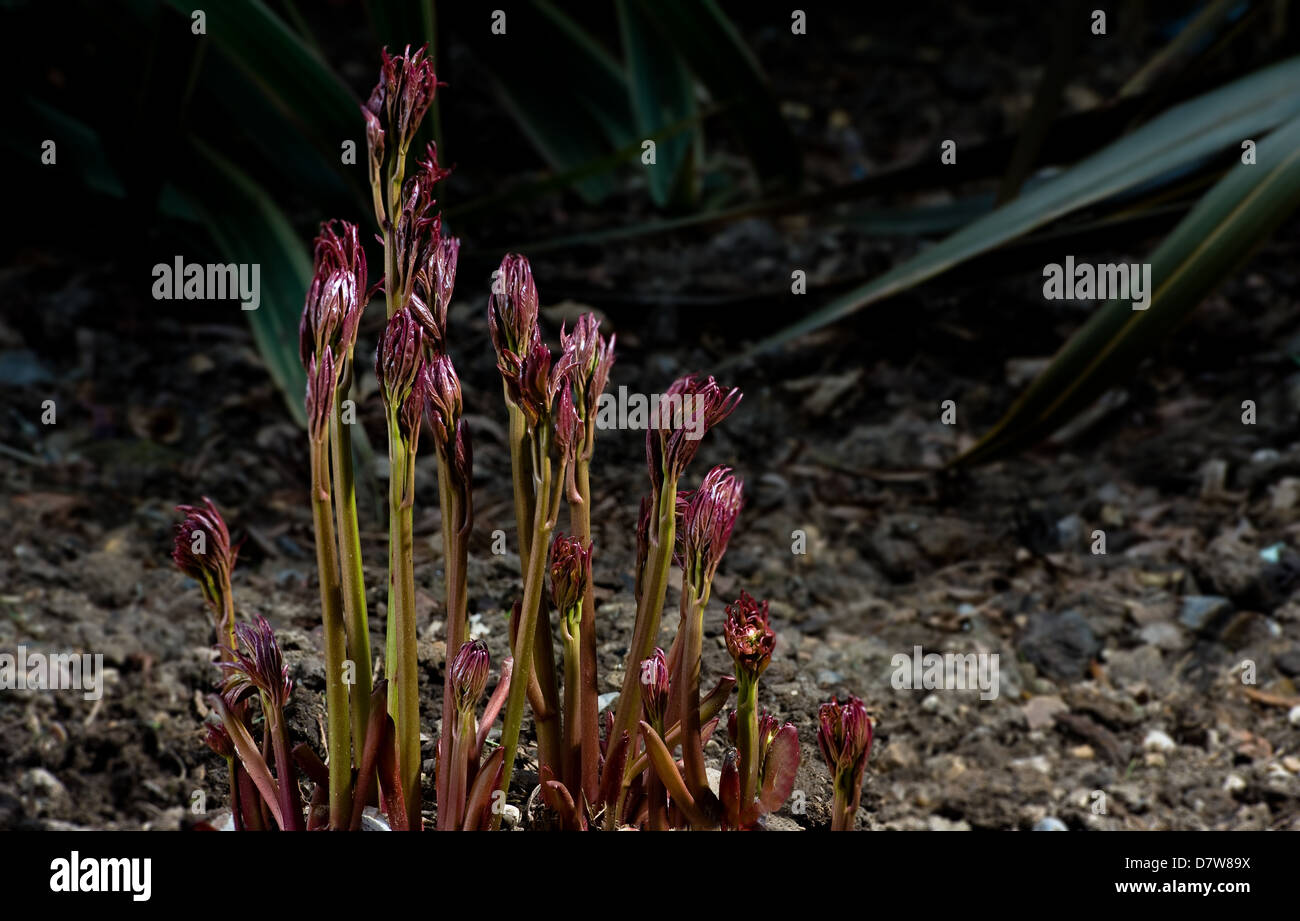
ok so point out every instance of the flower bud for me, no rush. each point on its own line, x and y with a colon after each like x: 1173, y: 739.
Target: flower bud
x: 512, y: 318
x: 217, y: 738
x: 688, y: 410
x: 404, y: 93
x: 749, y: 637
x: 655, y: 688
x: 844, y: 736
x: 707, y: 520
x: 570, y: 572
x: 587, y: 358
x: 337, y: 294
x: 434, y: 280
x: 442, y: 397
x: 397, y: 359
x: 201, y: 549
x: 468, y: 675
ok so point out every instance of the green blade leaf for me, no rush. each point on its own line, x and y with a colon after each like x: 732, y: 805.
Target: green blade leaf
x: 249, y: 227
x: 1215, y: 237
x: 542, y: 49
x: 714, y: 51
x: 662, y: 95
x: 303, y: 86
x: 1180, y: 136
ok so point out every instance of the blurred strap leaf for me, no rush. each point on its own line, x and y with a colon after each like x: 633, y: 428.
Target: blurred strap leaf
x: 543, y: 50
x: 249, y: 227
x: 662, y: 94
x: 1215, y: 238
x: 302, y: 85
x: 1172, y: 141
x: 719, y: 58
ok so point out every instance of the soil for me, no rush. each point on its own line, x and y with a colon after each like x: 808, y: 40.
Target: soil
x: 1152, y: 686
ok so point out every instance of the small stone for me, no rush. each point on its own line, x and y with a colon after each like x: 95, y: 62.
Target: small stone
x: 604, y: 700
x: 780, y: 823
x: 41, y: 783
x: 1286, y: 493
x: 1234, y: 784
x: 1163, y: 636
x: 1060, y: 646
x: 931, y: 703
x: 1288, y: 663
x: 1292, y: 764
x: 1158, y: 741
x: 827, y: 678
x: 1037, y: 763
x: 1293, y: 717
x: 1083, y: 752
x: 1040, y: 711
x: 1199, y: 611
x: 1050, y: 823
x: 510, y: 816
x: 939, y: 823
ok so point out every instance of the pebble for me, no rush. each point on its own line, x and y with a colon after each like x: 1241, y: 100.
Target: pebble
x: 1039, y: 711
x: 1083, y: 752
x: 1163, y: 636
x: 510, y: 816
x: 604, y: 700
x: 1060, y: 645
x: 1199, y: 610
x: 1050, y: 823
x: 1288, y: 663
x: 1293, y: 717
x: 827, y: 678
x: 1234, y: 784
x: 1158, y: 741
x: 40, y: 782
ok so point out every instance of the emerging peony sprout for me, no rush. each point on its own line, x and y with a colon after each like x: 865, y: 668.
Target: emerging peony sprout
x: 750, y: 641
x: 844, y: 737
x: 255, y: 667
x: 401, y: 99
x: 749, y: 637
x: 256, y: 664
x: 512, y: 313
x: 202, y: 550
x: 708, y: 518
x: 689, y: 409
x: 631, y: 777
x: 469, y: 675
x: 655, y: 687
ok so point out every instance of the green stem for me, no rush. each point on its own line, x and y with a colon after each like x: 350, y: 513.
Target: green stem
x: 455, y: 550
x: 543, y: 695
x: 404, y: 666
x: 353, y: 575
x: 747, y: 738
x: 571, y: 631
x: 648, y: 611
x: 688, y: 683
x: 336, y: 692
x: 843, y: 809
x: 580, y: 523
x: 543, y: 524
